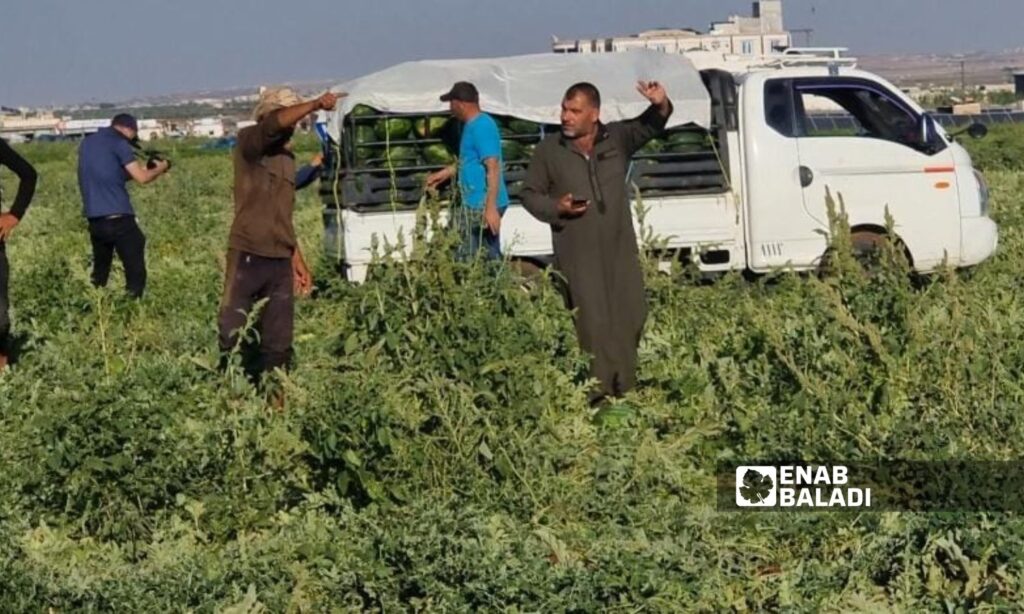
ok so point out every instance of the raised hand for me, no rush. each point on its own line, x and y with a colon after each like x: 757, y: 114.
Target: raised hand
x: 327, y: 101
x: 652, y: 91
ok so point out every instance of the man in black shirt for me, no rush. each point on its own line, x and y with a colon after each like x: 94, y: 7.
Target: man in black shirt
x: 26, y: 189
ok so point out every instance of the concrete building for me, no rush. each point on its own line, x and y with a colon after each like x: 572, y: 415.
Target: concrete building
x: 211, y: 127
x: 21, y: 127
x: 760, y: 34
x: 79, y: 128
x: 149, y: 129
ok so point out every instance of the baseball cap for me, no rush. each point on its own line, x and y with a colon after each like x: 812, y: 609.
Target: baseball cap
x: 463, y: 91
x: 125, y: 121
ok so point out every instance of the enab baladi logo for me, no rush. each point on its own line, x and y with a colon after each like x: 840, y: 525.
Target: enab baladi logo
x: 798, y: 486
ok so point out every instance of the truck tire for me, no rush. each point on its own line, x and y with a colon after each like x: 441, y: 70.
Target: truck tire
x: 866, y: 245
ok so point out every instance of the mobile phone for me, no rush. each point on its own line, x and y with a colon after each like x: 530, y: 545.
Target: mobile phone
x: 580, y: 202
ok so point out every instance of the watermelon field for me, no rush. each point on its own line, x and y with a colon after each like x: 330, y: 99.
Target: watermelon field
x: 438, y: 454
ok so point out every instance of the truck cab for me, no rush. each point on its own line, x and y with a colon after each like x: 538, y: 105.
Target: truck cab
x: 894, y: 160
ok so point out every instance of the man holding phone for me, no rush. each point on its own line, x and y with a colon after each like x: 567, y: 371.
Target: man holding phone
x: 576, y: 182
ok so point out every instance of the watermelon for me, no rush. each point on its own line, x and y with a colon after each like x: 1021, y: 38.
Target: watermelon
x: 511, y: 151
x: 687, y: 141
x: 521, y: 126
x: 429, y: 127
x: 687, y: 137
x: 393, y: 128
x: 365, y: 154
x: 401, y: 154
x: 361, y: 110
x: 364, y: 134
x: 616, y: 415
x: 653, y: 146
x: 687, y: 149
x: 437, y: 155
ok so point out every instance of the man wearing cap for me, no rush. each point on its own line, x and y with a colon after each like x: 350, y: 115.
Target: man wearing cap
x: 264, y: 260
x: 480, y: 175
x: 576, y: 182
x: 8, y: 221
x: 106, y: 162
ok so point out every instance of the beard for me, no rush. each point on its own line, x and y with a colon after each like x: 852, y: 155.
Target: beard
x: 580, y: 130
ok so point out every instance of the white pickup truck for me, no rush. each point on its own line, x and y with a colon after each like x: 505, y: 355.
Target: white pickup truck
x: 758, y: 201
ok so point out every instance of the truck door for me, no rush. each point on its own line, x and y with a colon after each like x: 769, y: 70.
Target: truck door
x: 779, y: 232
x: 860, y: 141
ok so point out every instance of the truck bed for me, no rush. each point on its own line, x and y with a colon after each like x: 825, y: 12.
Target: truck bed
x: 685, y: 224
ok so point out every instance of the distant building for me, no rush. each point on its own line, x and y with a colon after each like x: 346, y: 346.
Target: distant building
x: 78, y: 128
x: 149, y: 129
x: 760, y: 34
x: 28, y: 126
x: 1018, y: 84
x: 211, y: 127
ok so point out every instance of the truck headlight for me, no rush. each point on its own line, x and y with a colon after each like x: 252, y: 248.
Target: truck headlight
x: 983, y: 193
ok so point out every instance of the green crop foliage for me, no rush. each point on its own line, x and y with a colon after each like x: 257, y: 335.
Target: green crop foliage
x: 1001, y: 150
x: 437, y: 453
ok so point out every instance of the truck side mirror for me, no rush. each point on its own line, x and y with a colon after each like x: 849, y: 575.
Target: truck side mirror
x: 977, y: 130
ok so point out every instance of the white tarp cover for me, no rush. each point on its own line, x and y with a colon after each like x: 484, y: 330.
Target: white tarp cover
x: 531, y: 86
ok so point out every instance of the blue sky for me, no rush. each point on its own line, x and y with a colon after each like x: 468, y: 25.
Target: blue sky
x: 62, y: 51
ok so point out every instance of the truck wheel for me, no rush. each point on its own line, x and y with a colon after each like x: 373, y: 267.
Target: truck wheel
x: 866, y: 246
x: 527, y: 269
x: 529, y: 275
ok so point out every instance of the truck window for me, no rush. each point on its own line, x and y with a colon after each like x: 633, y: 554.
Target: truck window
x: 857, y: 109
x: 822, y: 117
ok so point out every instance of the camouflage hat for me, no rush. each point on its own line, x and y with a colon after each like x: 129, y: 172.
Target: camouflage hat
x: 274, y: 98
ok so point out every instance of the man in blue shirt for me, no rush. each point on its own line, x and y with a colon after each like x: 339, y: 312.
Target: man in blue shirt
x: 480, y: 175
x: 106, y: 162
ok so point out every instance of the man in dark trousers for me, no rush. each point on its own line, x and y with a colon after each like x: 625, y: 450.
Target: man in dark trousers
x: 8, y: 221
x: 577, y: 183
x: 106, y: 162
x: 264, y: 260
